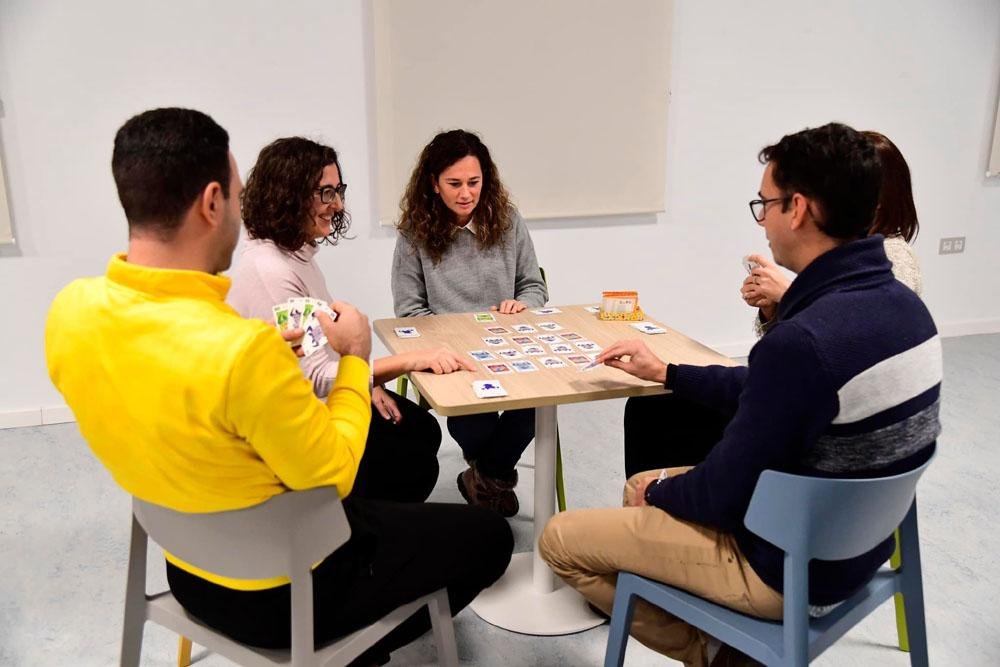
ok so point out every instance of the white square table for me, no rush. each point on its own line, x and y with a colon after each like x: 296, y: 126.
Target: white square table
x: 528, y: 598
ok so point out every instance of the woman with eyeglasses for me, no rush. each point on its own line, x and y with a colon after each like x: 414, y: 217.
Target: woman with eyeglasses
x: 694, y: 429
x: 463, y: 247
x: 292, y: 204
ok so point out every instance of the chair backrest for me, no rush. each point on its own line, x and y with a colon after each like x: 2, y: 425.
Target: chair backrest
x: 829, y: 519
x: 258, y: 542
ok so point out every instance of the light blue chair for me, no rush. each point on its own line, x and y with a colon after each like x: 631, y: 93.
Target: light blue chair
x: 807, y: 517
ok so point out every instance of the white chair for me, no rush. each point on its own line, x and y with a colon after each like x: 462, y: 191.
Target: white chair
x: 281, y: 537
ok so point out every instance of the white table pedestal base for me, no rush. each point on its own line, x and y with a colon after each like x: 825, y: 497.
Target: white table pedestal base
x: 515, y: 604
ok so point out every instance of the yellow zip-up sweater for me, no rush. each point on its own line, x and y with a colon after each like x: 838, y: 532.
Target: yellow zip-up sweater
x: 192, y: 407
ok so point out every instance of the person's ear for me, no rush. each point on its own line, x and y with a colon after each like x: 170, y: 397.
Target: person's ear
x: 801, y: 210
x: 211, y: 203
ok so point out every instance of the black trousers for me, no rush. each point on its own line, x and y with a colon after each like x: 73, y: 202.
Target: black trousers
x: 666, y: 431
x: 397, y: 553
x: 494, y: 440
x: 400, y: 461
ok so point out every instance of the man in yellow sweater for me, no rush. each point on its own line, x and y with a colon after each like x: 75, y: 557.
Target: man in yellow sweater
x: 192, y: 407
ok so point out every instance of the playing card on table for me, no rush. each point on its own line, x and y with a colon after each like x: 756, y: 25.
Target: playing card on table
x: 546, y: 311
x: 593, y: 309
x: 548, y: 338
x: 552, y: 362
x: 522, y: 340
x: 488, y: 389
x: 524, y: 328
x: 587, y: 346
x: 485, y: 317
x: 549, y: 326
x: 496, y: 331
x: 523, y: 366
x: 648, y: 328
x: 591, y: 364
x: 509, y: 354
x: 578, y: 359
x: 498, y: 368
x: 407, y: 332
x: 571, y: 336
x: 481, y: 355
x: 561, y: 348
x: 533, y: 350
x: 495, y: 341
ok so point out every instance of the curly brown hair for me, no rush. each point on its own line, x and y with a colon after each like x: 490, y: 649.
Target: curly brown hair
x: 427, y: 222
x: 277, y: 201
x: 896, y: 214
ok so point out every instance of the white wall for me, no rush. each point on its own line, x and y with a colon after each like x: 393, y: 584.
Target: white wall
x: 923, y: 72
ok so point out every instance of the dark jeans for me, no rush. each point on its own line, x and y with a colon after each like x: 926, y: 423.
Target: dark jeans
x: 397, y: 553
x: 666, y: 431
x: 400, y: 461
x: 494, y: 440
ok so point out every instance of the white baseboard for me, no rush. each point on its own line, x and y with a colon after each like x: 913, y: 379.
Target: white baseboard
x: 18, y: 418
x: 58, y: 414
x: 969, y: 327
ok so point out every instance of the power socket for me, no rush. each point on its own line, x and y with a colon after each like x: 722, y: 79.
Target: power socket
x: 951, y: 245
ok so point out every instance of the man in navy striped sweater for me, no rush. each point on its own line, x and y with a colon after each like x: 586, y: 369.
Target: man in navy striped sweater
x: 846, y: 384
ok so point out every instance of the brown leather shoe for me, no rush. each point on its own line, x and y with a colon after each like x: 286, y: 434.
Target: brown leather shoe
x: 490, y: 492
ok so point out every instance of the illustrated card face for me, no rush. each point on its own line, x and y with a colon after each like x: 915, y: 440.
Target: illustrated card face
x: 524, y: 328
x: 280, y: 316
x: 549, y: 326
x: 648, y: 328
x: 749, y: 264
x: 523, y: 366
x: 314, y: 339
x: 485, y: 317
x: 508, y: 354
x: 481, y: 355
x: 571, y: 336
x: 407, y: 332
x: 561, y: 348
x: 488, y: 389
x: 522, y: 340
x: 533, y: 350
x: 496, y: 331
x: 495, y: 341
x: 587, y: 346
x: 498, y: 368
x: 552, y: 362
x: 546, y: 311
x: 578, y: 359
x: 548, y: 339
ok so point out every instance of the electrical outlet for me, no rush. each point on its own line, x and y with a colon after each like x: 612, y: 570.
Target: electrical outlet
x: 951, y: 245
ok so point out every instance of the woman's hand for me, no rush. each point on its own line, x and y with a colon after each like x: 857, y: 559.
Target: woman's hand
x: 386, y: 405
x: 764, y: 287
x: 508, y: 307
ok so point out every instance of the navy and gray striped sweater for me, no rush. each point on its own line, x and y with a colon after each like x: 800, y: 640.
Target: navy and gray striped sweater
x: 846, y: 384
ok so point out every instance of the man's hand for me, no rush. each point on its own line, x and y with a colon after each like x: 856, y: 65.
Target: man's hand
x: 766, y: 283
x: 439, y: 361
x: 350, y: 334
x: 386, y: 405
x: 642, y: 363
x: 508, y: 307
x: 292, y: 335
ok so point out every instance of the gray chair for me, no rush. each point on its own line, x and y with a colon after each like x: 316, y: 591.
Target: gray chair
x: 283, y: 536
x: 807, y: 517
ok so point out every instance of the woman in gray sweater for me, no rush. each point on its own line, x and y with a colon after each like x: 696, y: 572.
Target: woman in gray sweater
x: 463, y: 247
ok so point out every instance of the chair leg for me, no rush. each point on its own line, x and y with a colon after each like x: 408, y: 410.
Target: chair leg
x: 621, y: 621
x: 444, y: 629
x: 135, y: 598
x: 913, y: 593
x: 560, y: 487
x: 895, y: 562
x: 183, y: 651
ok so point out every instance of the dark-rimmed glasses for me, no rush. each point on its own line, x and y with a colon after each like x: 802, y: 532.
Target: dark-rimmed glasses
x: 328, y: 192
x: 758, y: 207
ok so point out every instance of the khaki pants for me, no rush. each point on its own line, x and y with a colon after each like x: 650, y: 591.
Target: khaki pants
x: 588, y: 548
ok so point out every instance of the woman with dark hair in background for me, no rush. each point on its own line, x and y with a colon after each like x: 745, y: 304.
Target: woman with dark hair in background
x: 463, y: 247
x: 293, y: 202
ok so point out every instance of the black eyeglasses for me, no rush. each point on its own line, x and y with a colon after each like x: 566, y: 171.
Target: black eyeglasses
x: 759, y: 206
x: 329, y: 192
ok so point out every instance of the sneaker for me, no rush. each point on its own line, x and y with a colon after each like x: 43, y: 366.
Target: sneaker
x: 490, y: 492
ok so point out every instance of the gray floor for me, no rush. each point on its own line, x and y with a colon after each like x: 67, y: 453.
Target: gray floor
x: 64, y: 527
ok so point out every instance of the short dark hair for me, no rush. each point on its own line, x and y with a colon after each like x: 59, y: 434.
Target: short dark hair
x: 278, y: 196
x: 835, y: 166
x: 163, y: 159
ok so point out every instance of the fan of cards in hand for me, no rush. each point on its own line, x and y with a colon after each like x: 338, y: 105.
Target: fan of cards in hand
x: 300, y: 313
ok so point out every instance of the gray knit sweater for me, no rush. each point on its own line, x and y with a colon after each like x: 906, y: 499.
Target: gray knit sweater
x: 467, y: 279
